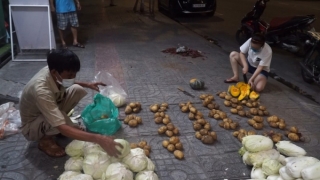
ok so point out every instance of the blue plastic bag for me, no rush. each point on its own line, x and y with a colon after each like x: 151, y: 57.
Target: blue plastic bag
x: 101, y: 116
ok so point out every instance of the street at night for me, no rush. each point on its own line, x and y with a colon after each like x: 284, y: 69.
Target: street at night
x: 139, y: 50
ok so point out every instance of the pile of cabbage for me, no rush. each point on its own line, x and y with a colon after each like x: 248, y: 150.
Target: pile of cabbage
x: 287, y: 162
x: 88, y: 161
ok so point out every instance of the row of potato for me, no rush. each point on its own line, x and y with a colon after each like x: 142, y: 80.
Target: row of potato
x: 172, y: 144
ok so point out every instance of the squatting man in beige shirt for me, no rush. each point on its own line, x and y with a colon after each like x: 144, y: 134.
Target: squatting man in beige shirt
x: 48, y: 97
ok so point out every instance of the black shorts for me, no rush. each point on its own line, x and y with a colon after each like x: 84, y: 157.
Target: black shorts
x: 252, y: 69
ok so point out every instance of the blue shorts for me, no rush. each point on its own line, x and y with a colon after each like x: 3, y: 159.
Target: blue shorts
x: 252, y: 69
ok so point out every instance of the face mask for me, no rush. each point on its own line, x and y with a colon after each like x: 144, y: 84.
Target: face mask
x: 66, y: 82
x: 256, y: 50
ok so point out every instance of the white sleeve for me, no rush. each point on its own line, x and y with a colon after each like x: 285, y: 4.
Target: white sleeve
x: 245, y: 47
x: 266, y: 61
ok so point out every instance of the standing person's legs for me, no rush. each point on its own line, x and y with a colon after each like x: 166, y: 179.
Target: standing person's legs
x: 62, y: 25
x: 73, y: 19
x: 235, y: 61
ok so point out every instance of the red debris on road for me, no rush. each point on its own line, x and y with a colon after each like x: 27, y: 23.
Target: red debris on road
x: 189, y: 52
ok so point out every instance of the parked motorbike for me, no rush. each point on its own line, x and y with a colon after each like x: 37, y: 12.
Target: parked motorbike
x: 310, y: 66
x: 289, y: 33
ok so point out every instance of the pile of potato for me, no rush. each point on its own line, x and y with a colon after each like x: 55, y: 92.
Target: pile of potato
x: 203, y: 131
x: 132, y: 120
x: 160, y: 117
x: 294, y: 135
x: 256, y: 122
x: 133, y: 107
x: 159, y: 107
x: 242, y: 133
x: 228, y: 124
x: 174, y: 145
x: 143, y: 145
x: 276, y: 137
x: 207, y: 101
x: 261, y: 111
x: 276, y: 122
x: 169, y: 130
x: 217, y: 114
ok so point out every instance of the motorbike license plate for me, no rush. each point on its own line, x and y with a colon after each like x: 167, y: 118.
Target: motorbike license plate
x: 199, y: 5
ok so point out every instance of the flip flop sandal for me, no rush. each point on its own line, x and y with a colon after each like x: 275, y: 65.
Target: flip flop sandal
x: 78, y: 45
x: 230, y: 81
x: 52, y: 152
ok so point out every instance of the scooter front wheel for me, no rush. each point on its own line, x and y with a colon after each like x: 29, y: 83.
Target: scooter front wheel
x: 242, y: 36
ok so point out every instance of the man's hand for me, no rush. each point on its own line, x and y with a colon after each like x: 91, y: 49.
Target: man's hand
x: 95, y: 85
x: 78, y: 6
x: 109, y: 145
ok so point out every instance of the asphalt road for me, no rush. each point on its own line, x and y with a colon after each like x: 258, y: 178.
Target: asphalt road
x: 222, y: 28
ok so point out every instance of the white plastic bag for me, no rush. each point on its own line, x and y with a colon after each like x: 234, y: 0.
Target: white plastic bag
x: 10, y: 120
x: 112, y: 90
x: 294, y: 167
x: 311, y: 172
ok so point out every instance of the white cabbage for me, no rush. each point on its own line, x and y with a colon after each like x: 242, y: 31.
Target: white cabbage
x: 146, y: 175
x: 242, y: 150
x: 294, y: 167
x: 67, y: 175
x: 75, y: 148
x: 245, y: 159
x: 257, y: 143
x: 136, y: 160
x: 273, y: 177
x: 280, y: 178
x: 271, y: 167
x: 90, y: 148
x: 150, y: 165
x: 117, y: 171
x: 125, y: 150
x: 117, y: 99
x: 95, y: 164
x: 257, y: 158
x: 82, y: 177
x: 284, y: 175
x: 289, y: 149
x: 74, y: 164
x: 114, y: 159
x: 256, y: 173
x: 282, y: 160
x: 311, y: 172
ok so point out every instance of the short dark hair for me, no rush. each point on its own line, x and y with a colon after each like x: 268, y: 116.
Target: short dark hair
x: 258, y: 39
x: 63, y: 60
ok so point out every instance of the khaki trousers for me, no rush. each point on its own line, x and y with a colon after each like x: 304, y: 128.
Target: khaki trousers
x: 40, y: 127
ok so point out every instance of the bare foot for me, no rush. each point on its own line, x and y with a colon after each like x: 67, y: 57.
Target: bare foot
x: 50, y: 147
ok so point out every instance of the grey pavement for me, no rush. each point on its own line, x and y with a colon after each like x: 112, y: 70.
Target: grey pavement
x: 223, y: 26
x: 129, y: 46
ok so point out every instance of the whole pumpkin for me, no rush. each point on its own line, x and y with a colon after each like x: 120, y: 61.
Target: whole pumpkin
x: 196, y: 84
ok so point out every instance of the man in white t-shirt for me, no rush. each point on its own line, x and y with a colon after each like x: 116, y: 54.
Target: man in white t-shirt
x: 257, y: 63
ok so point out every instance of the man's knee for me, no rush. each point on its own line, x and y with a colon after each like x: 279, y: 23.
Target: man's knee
x: 79, y: 90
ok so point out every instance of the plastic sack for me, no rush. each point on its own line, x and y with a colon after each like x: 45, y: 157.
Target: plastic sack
x: 10, y: 120
x: 113, y: 90
x: 101, y: 116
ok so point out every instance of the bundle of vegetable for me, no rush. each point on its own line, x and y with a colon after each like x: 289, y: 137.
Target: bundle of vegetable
x: 91, y: 159
x: 134, y: 107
